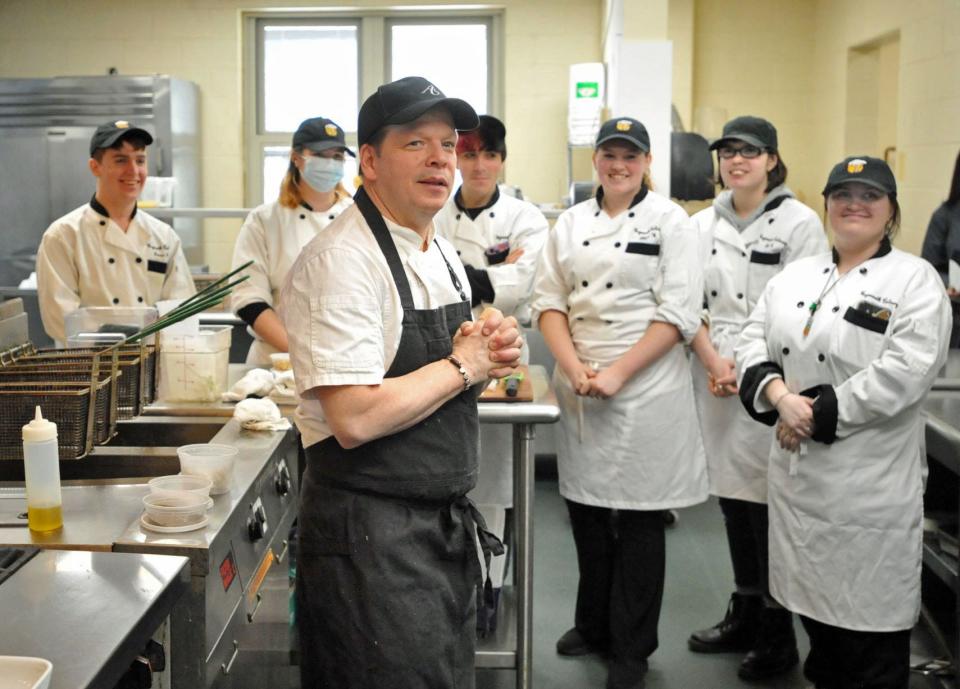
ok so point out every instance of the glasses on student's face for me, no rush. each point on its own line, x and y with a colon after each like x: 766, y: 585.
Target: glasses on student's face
x: 863, y: 196
x: 747, y: 151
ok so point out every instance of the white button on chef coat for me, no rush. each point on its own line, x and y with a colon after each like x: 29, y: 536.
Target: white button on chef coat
x: 737, y: 266
x: 342, y: 310
x: 86, y: 259
x: 523, y: 226
x: 612, y: 277
x: 846, y: 518
x: 273, y: 236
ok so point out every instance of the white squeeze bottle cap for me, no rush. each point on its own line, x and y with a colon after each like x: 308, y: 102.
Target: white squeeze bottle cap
x: 39, y: 429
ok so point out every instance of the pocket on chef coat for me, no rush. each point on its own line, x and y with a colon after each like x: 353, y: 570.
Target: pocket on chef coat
x: 638, y: 268
x: 763, y: 266
x: 860, y: 337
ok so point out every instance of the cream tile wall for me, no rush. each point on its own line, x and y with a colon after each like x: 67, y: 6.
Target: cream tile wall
x: 200, y: 40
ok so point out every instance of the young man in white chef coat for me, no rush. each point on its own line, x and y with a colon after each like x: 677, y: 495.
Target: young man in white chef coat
x: 498, y: 239
x: 108, y: 252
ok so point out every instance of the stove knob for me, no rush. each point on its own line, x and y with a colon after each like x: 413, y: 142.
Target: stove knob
x: 283, y: 482
x: 255, y: 526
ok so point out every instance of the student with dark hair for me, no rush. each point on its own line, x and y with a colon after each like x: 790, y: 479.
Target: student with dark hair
x: 942, y: 244
x: 311, y: 197
x: 753, y: 230
x: 839, y: 354
x: 498, y: 238
x: 108, y: 252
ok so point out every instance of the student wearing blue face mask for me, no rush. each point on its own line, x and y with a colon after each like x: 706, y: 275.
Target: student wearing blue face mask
x: 311, y: 196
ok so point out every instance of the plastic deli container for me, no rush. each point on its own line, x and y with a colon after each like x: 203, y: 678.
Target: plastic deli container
x: 193, y: 367
x: 200, y: 485
x: 213, y: 461
x: 175, y: 508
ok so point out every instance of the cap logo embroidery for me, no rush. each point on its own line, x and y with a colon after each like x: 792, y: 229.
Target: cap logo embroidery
x: 432, y: 90
x: 330, y: 129
x: 121, y: 124
x: 623, y: 125
x: 856, y: 165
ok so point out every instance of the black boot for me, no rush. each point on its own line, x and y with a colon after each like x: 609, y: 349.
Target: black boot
x: 775, y: 650
x: 735, y: 632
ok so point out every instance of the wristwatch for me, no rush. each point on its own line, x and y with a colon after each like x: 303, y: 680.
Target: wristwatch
x: 463, y: 371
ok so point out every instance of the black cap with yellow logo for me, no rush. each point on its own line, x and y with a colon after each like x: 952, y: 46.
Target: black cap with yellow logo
x: 320, y: 134
x: 873, y: 172
x: 110, y: 133
x: 625, y: 128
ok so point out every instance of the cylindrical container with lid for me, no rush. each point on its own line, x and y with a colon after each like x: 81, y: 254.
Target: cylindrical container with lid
x: 41, y: 468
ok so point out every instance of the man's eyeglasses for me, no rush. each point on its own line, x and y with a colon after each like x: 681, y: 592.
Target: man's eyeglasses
x: 746, y: 151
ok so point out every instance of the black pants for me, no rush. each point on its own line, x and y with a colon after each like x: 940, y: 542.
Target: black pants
x: 847, y: 659
x: 621, y: 555
x: 746, y: 524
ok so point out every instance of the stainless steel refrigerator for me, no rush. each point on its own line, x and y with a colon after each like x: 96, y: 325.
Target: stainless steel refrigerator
x: 45, y: 130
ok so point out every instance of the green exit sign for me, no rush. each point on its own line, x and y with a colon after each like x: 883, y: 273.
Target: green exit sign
x: 588, y: 89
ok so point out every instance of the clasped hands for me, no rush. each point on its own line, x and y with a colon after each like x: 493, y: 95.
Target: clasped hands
x: 490, y: 346
x: 722, y: 378
x: 796, y: 420
x: 589, y: 380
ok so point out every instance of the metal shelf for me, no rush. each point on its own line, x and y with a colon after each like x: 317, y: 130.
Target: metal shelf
x: 942, y: 565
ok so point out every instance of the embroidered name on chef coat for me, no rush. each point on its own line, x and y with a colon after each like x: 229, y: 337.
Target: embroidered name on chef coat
x: 648, y: 243
x: 872, y: 313
x: 766, y: 251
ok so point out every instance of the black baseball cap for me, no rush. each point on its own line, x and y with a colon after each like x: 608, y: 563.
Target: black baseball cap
x: 755, y: 131
x: 625, y: 128
x: 110, y: 133
x: 873, y: 172
x: 320, y: 134
x: 404, y: 100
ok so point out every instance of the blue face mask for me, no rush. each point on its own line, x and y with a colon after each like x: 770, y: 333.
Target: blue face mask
x: 322, y: 173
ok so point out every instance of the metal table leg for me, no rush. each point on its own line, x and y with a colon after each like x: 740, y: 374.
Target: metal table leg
x: 523, y: 484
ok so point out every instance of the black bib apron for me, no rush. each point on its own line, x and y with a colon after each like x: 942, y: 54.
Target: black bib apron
x: 387, y: 561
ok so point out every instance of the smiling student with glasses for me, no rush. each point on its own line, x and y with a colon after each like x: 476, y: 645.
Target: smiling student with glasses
x: 754, y: 229
x: 840, y: 353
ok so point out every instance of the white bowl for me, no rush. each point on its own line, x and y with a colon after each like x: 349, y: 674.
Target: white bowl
x: 22, y: 672
x: 181, y: 482
x: 172, y: 508
x: 211, y: 460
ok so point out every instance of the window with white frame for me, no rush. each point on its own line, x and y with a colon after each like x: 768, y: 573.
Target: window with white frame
x: 325, y: 64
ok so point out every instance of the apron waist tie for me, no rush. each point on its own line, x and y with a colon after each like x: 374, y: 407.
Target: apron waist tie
x: 490, y: 545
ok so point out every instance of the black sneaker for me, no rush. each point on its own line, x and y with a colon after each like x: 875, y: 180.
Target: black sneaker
x: 735, y: 632
x: 572, y: 643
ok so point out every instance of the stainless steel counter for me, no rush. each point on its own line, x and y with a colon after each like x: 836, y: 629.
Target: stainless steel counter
x: 88, y: 613
x: 949, y: 378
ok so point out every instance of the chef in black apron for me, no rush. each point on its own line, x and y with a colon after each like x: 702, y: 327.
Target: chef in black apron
x: 385, y: 356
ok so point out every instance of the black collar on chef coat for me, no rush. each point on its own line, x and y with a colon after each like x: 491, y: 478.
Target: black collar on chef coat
x: 641, y: 195
x: 99, y: 208
x: 307, y: 206
x: 884, y: 249
x: 472, y: 213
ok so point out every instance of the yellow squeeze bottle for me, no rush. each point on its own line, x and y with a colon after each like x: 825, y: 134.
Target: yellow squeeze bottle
x: 41, y: 468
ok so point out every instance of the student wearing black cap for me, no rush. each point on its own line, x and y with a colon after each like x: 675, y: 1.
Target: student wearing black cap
x: 754, y: 228
x: 839, y: 354
x: 311, y: 197
x: 108, y: 252
x: 388, y: 365
x: 498, y: 239
x: 618, y: 291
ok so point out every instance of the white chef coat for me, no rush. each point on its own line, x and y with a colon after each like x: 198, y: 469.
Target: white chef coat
x: 523, y: 226
x: 612, y: 277
x: 86, y: 259
x: 846, y: 518
x: 737, y: 266
x: 342, y: 310
x: 273, y: 236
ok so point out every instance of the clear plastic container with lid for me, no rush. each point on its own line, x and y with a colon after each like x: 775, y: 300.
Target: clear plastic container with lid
x: 41, y: 468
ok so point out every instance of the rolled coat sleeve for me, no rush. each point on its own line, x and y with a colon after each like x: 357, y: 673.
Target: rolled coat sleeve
x: 678, y: 287
x: 252, y: 245
x: 335, y: 324
x: 512, y: 283
x: 551, y: 286
x: 58, y: 281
